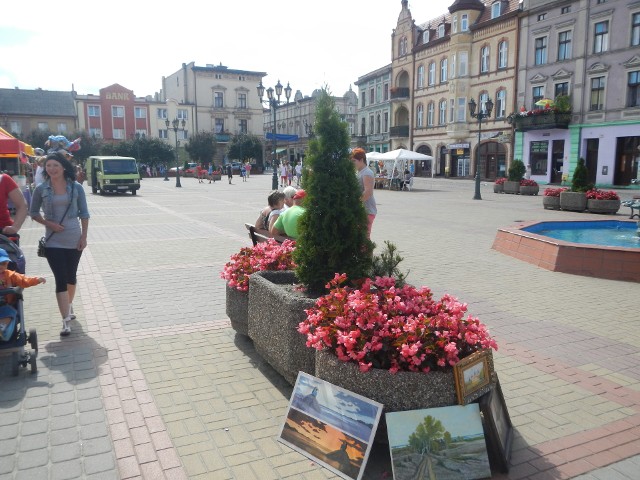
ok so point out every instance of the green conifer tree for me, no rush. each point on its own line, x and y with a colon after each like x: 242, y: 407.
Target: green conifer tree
x: 580, y: 179
x: 333, y: 230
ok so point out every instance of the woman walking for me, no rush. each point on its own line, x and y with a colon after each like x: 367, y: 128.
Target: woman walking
x: 66, y: 218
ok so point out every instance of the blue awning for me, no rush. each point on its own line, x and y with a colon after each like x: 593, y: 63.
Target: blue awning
x: 281, y: 136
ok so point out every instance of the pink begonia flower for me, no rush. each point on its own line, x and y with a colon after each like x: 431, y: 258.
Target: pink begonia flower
x: 402, y: 328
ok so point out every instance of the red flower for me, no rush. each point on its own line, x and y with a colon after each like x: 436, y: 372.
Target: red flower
x: 554, y: 192
x: 500, y: 180
x: 528, y: 183
x: 595, y: 194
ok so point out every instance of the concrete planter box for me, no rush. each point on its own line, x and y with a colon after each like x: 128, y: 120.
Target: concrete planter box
x: 511, y: 187
x: 216, y: 176
x: 551, y: 203
x: 238, y: 310
x: 275, y: 310
x: 573, y: 201
x: 498, y: 188
x: 397, y: 391
x: 610, y: 207
x: 529, y: 190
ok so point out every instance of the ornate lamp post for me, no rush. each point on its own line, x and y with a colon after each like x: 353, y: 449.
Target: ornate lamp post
x: 175, y: 126
x: 308, y: 129
x: 482, y: 114
x: 274, y: 103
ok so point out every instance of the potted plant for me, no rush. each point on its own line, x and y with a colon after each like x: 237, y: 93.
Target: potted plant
x: 551, y: 198
x: 529, y: 187
x: 396, y: 345
x: 515, y: 174
x: 269, y: 255
x: 576, y: 199
x: 216, y: 175
x: 498, y: 186
x: 603, y: 201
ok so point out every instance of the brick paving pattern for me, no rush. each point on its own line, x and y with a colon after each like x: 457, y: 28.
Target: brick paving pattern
x: 153, y: 383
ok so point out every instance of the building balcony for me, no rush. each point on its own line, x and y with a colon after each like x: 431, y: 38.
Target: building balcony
x: 541, y: 121
x: 398, y: 93
x: 400, y: 131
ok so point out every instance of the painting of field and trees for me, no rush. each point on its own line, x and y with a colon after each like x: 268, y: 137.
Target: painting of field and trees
x: 444, y: 443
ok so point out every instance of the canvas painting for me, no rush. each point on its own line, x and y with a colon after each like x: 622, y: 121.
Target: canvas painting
x: 332, y: 426
x: 438, y: 443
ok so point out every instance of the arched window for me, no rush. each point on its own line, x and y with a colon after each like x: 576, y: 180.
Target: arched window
x: 432, y: 73
x: 484, y: 59
x: 443, y: 70
x: 501, y: 103
x: 502, y: 54
x: 430, y: 112
x: 484, y: 98
x: 443, y: 112
x: 419, y: 116
x: 403, y: 46
x: 421, y: 76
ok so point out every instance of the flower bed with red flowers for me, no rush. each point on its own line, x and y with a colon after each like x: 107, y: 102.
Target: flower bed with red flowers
x: 500, y: 180
x: 525, y: 182
x: 554, y: 192
x: 383, y: 326
x: 595, y: 194
x: 269, y: 255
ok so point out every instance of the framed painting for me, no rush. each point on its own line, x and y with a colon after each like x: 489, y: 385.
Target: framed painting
x: 498, y: 427
x: 438, y: 443
x: 473, y: 376
x: 332, y: 426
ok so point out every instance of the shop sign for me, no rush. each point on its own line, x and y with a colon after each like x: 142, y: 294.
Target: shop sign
x: 456, y: 146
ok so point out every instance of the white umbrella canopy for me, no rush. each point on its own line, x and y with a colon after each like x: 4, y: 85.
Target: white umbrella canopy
x: 402, y: 154
x: 373, y: 155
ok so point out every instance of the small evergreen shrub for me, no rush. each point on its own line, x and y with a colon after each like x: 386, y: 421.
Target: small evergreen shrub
x: 386, y: 264
x: 516, y: 171
x: 580, y: 179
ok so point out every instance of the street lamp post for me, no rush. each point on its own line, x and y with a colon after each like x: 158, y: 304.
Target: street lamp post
x: 175, y: 126
x: 274, y: 103
x: 482, y: 114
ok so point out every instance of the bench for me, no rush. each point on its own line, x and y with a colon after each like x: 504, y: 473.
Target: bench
x: 260, y: 235
x: 633, y: 205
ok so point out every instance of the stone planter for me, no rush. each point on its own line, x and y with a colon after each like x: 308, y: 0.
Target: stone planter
x: 529, y: 190
x: 551, y: 203
x: 238, y: 310
x: 610, y: 207
x: 275, y: 310
x: 511, y: 187
x: 398, y: 392
x: 573, y: 201
x: 216, y: 176
x: 498, y: 188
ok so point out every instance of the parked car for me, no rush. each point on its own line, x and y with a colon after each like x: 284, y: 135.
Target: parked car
x: 190, y: 170
x: 235, y: 167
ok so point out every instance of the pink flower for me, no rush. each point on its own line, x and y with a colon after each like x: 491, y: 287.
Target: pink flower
x: 381, y: 326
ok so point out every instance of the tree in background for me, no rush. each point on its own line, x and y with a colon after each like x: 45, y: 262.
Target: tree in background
x: 245, y: 147
x: 424, y: 440
x: 202, y: 147
x: 333, y: 230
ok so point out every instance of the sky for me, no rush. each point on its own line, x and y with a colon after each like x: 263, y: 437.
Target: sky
x: 87, y: 46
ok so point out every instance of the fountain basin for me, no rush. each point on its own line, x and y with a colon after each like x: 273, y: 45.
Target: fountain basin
x: 526, y: 243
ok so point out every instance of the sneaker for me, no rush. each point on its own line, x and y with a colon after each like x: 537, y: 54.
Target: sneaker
x: 66, y: 330
x: 72, y: 316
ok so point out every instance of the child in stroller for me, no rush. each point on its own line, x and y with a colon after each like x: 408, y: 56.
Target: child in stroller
x: 8, y: 279
x: 14, y: 339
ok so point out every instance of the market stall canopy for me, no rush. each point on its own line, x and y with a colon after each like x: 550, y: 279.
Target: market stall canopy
x: 402, y: 154
x: 12, y: 147
x: 373, y: 155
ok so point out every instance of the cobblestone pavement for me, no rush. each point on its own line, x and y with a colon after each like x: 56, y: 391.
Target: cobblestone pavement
x: 153, y: 382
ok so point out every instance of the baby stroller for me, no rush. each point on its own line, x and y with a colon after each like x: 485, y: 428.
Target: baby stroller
x: 13, y: 337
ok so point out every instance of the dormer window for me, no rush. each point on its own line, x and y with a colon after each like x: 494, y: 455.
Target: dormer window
x: 441, y: 30
x: 496, y: 8
x: 425, y: 36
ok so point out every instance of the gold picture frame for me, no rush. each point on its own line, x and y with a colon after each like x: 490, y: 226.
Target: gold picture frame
x: 473, y: 375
